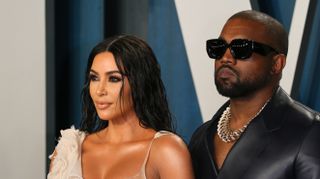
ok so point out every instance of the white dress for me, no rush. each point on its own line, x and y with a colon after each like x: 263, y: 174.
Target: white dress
x: 67, y: 161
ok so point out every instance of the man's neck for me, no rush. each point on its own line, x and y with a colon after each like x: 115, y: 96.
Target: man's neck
x: 244, y: 108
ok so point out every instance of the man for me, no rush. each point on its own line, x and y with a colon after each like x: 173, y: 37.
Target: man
x: 260, y: 133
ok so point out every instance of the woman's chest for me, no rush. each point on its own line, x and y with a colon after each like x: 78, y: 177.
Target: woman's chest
x: 114, y: 161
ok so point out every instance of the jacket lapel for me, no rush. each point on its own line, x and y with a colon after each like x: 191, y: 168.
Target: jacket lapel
x: 245, y: 150
x: 256, y: 137
x: 213, y: 121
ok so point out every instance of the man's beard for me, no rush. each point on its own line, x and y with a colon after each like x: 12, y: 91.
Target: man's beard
x: 244, y: 87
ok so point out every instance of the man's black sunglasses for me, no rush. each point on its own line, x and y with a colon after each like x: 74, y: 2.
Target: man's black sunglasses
x: 239, y: 48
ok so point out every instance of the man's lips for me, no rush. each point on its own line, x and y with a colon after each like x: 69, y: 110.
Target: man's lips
x: 225, y: 72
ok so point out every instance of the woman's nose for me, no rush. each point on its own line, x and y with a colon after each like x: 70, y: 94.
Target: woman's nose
x: 102, y: 89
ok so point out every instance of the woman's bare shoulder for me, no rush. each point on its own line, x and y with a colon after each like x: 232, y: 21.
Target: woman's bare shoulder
x: 168, y: 141
x: 170, y: 155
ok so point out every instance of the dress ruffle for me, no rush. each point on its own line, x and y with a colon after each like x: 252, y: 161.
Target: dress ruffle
x: 66, y: 160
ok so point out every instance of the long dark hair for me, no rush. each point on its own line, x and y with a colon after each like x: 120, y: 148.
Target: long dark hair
x: 136, y: 60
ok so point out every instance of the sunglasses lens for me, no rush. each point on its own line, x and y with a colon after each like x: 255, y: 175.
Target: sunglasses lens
x: 216, y: 48
x: 241, y: 49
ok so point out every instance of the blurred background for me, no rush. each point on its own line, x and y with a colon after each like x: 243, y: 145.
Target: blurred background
x: 44, y: 48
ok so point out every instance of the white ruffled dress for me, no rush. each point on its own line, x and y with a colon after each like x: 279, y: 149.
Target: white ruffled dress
x: 66, y: 164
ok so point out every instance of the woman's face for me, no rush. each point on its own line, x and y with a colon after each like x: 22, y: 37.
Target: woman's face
x: 105, y: 86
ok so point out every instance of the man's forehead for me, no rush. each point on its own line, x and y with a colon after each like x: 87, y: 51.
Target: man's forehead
x: 239, y: 28
x: 243, y: 24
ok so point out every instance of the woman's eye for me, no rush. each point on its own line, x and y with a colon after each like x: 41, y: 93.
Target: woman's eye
x: 115, y: 79
x: 93, y: 77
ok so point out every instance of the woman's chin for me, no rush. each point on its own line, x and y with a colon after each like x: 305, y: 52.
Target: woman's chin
x: 104, y: 117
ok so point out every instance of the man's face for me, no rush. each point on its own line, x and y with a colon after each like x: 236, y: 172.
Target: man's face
x: 239, y: 78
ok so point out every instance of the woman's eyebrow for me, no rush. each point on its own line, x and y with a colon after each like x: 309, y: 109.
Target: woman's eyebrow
x: 107, y: 73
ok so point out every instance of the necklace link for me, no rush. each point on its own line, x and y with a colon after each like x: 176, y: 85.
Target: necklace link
x: 225, y: 133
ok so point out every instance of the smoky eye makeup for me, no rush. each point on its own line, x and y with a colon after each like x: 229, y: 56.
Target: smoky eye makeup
x: 93, y: 77
x: 115, y: 78
x: 111, y: 76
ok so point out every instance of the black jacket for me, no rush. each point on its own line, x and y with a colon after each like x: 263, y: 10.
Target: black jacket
x: 283, y: 142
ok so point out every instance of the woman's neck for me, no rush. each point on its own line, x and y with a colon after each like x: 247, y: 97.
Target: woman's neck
x: 125, y: 129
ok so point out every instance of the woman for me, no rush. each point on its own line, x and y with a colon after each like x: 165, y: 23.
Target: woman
x: 126, y: 120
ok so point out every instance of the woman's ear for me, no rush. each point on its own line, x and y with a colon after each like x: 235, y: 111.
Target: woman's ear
x: 278, y: 63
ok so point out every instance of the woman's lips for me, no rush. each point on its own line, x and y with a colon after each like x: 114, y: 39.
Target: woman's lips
x: 102, y: 106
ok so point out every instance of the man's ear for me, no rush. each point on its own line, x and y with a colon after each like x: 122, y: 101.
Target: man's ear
x: 278, y: 63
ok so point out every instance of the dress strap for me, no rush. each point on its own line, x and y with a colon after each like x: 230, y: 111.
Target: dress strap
x: 156, y: 135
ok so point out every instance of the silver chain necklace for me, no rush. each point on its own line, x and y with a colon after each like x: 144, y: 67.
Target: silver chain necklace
x: 228, y: 135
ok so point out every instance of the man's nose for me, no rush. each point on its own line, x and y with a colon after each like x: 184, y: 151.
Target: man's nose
x: 228, y: 57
